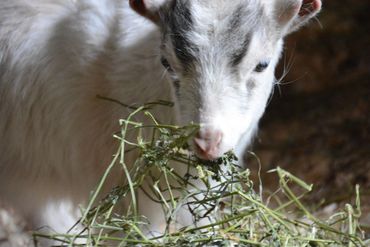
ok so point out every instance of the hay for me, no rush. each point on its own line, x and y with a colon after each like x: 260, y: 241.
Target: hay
x: 236, y: 214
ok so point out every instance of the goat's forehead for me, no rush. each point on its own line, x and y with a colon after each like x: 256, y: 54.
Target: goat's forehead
x: 220, y: 16
x: 225, y: 27
x: 222, y: 8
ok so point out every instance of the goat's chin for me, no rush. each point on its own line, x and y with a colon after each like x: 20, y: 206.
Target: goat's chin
x: 207, y: 156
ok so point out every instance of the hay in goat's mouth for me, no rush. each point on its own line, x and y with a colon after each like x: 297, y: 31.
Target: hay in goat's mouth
x: 236, y: 214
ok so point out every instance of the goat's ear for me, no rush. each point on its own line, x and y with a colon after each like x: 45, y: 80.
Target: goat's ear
x: 292, y: 14
x: 148, y: 8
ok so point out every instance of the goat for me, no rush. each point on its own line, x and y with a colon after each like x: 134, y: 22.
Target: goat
x: 214, y: 59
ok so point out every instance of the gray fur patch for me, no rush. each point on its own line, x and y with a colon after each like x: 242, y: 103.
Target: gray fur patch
x: 241, y: 26
x: 179, y: 23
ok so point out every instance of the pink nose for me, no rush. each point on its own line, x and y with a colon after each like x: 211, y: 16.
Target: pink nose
x: 207, y: 143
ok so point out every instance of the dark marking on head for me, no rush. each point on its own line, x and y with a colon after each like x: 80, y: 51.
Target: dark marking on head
x: 242, y: 23
x: 178, y: 20
x: 251, y: 84
x: 240, y: 53
x: 236, y: 19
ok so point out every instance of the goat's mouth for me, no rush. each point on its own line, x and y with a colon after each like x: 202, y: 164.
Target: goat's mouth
x: 207, y: 155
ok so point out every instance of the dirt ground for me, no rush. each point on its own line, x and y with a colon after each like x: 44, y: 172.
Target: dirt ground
x: 318, y: 123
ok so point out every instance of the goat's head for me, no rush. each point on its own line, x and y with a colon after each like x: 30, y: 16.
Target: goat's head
x: 221, y: 56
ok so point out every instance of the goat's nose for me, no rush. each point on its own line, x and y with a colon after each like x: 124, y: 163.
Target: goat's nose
x: 207, y: 143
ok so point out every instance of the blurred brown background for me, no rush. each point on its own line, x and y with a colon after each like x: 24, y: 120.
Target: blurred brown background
x: 318, y: 123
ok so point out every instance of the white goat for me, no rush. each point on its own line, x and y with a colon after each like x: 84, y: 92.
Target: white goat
x: 215, y: 59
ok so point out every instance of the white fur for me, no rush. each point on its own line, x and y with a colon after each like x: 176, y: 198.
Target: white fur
x: 56, y: 56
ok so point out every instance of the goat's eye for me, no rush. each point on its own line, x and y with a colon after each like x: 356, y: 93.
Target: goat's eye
x: 262, y: 66
x: 166, y: 64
